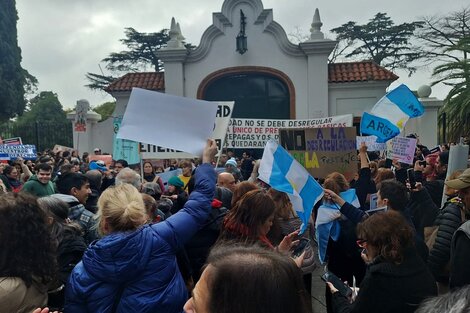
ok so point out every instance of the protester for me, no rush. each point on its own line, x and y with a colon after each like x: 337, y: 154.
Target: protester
x: 247, y: 165
x: 231, y: 167
x: 250, y: 220
x: 449, y: 219
x: 285, y: 222
x: 95, y: 179
x: 241, y: 189
x: 40, y: 184
x: 134, y: 266
x: 226, y: 180
x: 249, y: 280
x: 70, y: 246
x: 74, y: 189
x: 12, y: 179
x: 176, y: 194
x: 119, y: 165
x: 460, y: 246
x: 187, y: 169
x: 27, y: 258
x: 150, y: 176
x: 128, y: 176
x: 397, y: 280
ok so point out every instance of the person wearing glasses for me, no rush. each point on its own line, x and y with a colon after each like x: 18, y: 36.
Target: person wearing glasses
x: 397, y: 279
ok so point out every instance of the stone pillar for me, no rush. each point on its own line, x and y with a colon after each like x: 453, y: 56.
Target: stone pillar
x: 83, y: 140
x: 173, y: 56
x: 426, y: 126
x: 317, y: 49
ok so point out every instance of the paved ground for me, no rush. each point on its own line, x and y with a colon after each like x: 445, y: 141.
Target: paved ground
x: 318, y: 291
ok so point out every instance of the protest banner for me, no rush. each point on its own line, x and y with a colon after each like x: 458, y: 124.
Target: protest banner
x: 222, y: 120
x: 58, y: 148
x: 323, y: 150
x: 371, y: 143
x: 81, y: 111
x: 168, y: 121
x: 254, y: 133
x: 27, y: 152
x: 106, y: 158
x: 401, y: 149
x: 13, y: 141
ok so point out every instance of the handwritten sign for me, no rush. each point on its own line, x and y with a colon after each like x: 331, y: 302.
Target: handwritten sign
x: 323, y: 150
x: 402, y: 149
x: 27, y: 152
x: 254, y: 133
x: 371, y: 143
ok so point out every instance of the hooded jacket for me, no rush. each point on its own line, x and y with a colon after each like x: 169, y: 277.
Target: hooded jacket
x: 137, y: 271
x: 35, y: 187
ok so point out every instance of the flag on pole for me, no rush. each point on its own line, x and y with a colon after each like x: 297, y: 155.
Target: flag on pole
x: 283, y: 173
x: 390, y: 114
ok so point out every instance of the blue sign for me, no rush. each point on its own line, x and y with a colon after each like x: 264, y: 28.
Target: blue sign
x: 27, y: 152
x: 124, y: 149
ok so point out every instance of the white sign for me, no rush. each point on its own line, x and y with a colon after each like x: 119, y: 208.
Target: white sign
x: 27, y: 152
x: 224, y: 112
x: 401, y: 149
x: 168, y: 121
x: 371, y: 143
x: 254, y: 133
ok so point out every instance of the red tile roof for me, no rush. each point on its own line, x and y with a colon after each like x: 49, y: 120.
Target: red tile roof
x: 357, y: 72
x: 337, y: 73
x: 147, y: 80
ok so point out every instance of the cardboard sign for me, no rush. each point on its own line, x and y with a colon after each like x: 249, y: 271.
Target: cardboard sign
x: 323, y: 150
x: 222, y: 120
x: 254, y: 133
x: 12, y: 141
x: 107, y: 159
x: 58, y: 148
x: 402, y: 149
x: 27, y: 152
x: 371, y: 143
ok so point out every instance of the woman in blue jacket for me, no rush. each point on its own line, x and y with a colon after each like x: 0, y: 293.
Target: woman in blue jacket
x: 133, y: 268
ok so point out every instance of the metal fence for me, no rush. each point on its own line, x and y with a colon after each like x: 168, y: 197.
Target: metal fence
x: 42, y: 134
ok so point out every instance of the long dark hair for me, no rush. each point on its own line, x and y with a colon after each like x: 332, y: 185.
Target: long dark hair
x: 27, y: 248
x: 254, y: 279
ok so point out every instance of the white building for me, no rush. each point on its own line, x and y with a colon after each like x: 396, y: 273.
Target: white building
x: 272, y: 78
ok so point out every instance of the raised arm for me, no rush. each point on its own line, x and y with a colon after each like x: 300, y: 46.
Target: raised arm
x: 181, y: 226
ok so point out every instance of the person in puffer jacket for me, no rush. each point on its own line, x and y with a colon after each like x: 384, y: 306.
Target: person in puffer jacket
x: 133, y: 268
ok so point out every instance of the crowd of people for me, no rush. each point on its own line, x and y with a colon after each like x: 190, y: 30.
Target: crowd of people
x: 83, y: 236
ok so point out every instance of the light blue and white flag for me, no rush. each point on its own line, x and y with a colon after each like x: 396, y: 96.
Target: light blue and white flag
x: 390, y: 114
x: 283, y: 173
x: 327, y: 222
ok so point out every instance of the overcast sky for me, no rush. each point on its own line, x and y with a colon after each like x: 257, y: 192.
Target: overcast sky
x: 62, y: 40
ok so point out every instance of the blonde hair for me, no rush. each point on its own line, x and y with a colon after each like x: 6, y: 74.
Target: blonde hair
x: 122, y: 207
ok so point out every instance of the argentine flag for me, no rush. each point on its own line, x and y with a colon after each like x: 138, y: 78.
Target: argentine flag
x: 327, y: 223
x: 283, y: 173
x: 390, y: 114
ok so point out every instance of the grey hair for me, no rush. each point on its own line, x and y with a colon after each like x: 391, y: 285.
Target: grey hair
x: 457, y: 301
x: 128, y: 176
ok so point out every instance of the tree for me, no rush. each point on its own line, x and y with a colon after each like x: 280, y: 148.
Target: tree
x: 12, y: 75
x: 387, y: 44
x: 446, y: 40
x: 140, y: 53
x: 105, y: 110
x: 45, y: 107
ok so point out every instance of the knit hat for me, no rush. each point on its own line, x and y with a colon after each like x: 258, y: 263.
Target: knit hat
x: 175, y: 181
x: 461, y: 182
x: 231, y: 162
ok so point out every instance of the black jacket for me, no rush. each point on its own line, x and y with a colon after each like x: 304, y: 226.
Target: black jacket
x: 448, y: 221
x: 459, y: 256
x: 364, y: 185
x: 388, y: 287
x: 423, y: 210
